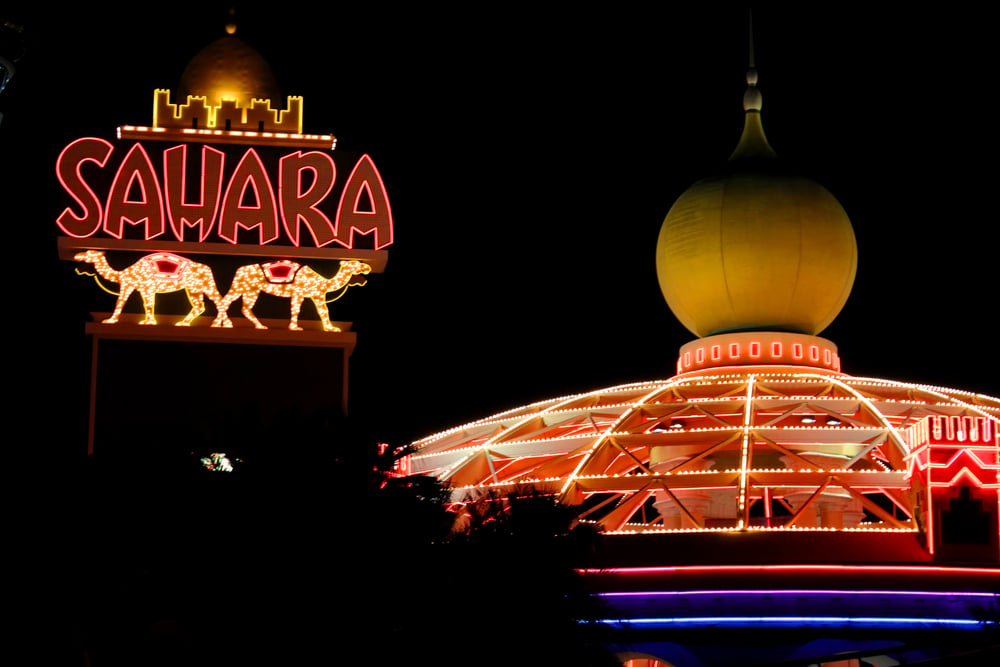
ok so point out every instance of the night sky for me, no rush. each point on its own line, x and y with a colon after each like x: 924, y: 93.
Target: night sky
x: 530, y: 158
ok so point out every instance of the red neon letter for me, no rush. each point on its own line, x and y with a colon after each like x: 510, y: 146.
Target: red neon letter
x: 68, y: 167
x: 135, y: 172
x: 249, y: 173
x: 201, y: 214
x: 298, y: 207
x: 364, y: 179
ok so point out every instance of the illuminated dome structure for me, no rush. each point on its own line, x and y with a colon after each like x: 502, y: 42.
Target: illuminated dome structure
x: 229, y: 69
x: 761, y: 486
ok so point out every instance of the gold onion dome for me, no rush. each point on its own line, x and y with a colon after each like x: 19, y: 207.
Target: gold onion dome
x: 756, y: 247
x: 231, y: 69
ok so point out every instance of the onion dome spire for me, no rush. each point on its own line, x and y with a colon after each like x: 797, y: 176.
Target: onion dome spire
x: 753, y: 143
x: 756, y: 246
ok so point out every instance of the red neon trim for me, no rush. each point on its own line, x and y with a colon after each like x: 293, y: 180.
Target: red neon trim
x: 249, y: 172
x: 379, y: 220
x: 299, y: 207
x: 181, y: 214
x: 929, y: 517
x: 69, y: 171
x: 136, y: 168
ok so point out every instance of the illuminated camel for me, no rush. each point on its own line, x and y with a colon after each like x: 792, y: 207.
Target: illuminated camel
x: 160, y: 273
x: 293, y: 281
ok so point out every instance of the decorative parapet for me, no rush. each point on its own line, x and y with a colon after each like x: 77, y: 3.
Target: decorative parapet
x: 196, y: 113
x: 954, y: 466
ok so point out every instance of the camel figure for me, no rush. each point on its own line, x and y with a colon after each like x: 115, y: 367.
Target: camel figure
x: 293, y: 281
x: 160, y: 273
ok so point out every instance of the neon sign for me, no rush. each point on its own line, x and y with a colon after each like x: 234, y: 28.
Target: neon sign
x: 164, y: 272
x: 293, y: 281
x: 160, y: 273
x: 273, y: 197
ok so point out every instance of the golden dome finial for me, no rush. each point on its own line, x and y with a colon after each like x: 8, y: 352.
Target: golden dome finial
x: 751, y: 98
x: 756, y: 247
x: 753, y: 143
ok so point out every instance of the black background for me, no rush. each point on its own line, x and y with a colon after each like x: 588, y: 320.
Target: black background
x: 530, y: 156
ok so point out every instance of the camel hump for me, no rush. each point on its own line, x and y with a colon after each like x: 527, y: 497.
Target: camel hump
x: 281, y: 271
x: 167, y: 264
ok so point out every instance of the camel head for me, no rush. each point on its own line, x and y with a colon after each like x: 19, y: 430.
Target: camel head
x: 354, y: 266
x: 90, y: 256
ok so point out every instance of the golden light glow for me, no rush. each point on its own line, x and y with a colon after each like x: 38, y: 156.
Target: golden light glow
x: 224, y: 109
x: 290, y: 280
x: 160, y: 273
x: 717, y: 450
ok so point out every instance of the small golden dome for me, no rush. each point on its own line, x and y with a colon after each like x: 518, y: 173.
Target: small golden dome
x: 756, y: 247
x: 229, y: 68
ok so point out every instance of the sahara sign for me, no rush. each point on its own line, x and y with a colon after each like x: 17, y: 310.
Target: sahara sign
x: 197, y: 193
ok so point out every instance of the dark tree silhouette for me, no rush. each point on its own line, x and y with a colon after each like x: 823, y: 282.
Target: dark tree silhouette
x: 313, y: 550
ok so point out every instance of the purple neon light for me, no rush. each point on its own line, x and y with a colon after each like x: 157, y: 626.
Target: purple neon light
x: 801, y: 568
x: 778, y: 620
x: 796, y: 592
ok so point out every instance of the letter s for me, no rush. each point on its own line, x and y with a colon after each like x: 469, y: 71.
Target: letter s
x: 68, y: 166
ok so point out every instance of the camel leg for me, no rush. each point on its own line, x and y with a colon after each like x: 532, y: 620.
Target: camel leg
x: 324, y: 313
x: 123, y: 294
x: 248, y: 301
x: 148, y: 302
x: 212, y: 292
x: 222, y: 317
x: 197, y: 308
x: 296, y: 307
x: 222, y: 305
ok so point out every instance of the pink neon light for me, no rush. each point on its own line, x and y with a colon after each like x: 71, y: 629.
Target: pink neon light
x: 77, y: 154
x: 927, y: 569
x: 700, y: 355
x: 776, y: 350
x: 250, y: 173
x: 797, y: 350
x: 813, y: 353
x: 716, y: 351
x: 180, y: 213
x: 135, y: 170
x: 298, y: 206
x: 755, y: 349
x: 139, y: 195
x: 378, y: 220
x: 794, y: 591
x: 734, y: 350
